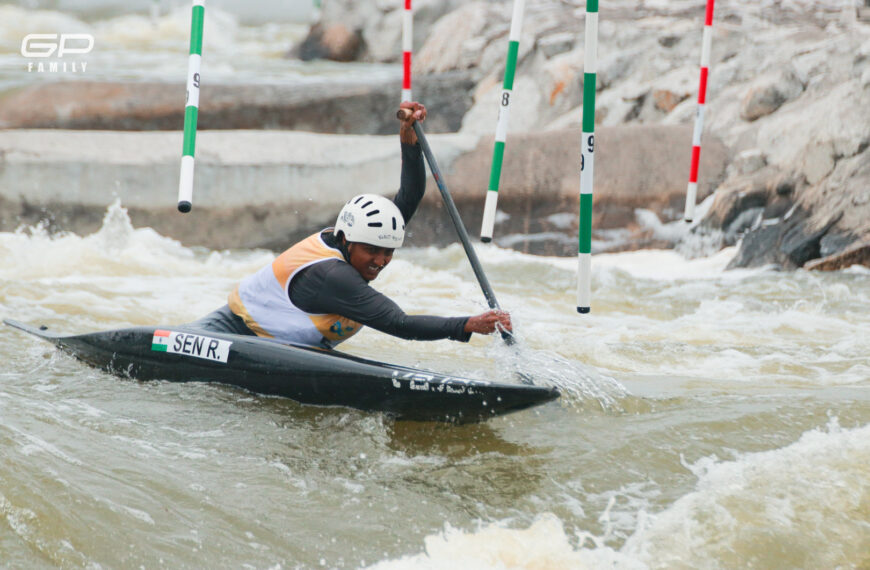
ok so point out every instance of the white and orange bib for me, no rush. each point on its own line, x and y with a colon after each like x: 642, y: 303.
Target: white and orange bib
x: 262, y: 300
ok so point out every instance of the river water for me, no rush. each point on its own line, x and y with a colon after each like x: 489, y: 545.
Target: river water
x: 709, y: 419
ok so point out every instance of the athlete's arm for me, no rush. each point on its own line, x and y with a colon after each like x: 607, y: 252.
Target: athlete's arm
x: 413, y: 181
x: 336, y: 287
x: 413, y: 178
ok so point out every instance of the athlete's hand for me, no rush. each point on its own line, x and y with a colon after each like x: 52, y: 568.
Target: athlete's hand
x: 417, y: 113
x: 489, y: 322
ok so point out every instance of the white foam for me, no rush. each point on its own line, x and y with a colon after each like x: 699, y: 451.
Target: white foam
x: 804, y: 505
x: 544, y: 545
x: 654, y: 313
x: 801, y: 506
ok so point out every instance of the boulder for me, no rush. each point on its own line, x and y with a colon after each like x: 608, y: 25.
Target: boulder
x: 378, y: 24
x: 769, y: 92
x: 336, y: 42
x: 856, y: 254
x: 788, y: 242
x: 458, y: 40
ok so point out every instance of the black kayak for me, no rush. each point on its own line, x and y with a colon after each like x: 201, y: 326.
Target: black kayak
x: 305, y: 374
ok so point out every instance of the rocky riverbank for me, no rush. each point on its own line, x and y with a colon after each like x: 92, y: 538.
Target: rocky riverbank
x: 788, y: 95
x: 785, y: 157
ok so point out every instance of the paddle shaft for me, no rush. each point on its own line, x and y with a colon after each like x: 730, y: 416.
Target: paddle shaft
x: 457, y: 222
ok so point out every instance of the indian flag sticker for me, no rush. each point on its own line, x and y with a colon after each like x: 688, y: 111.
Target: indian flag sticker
x: 190, y: 344
x: 160, y: 341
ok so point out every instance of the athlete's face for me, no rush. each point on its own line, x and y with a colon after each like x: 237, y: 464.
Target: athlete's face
x: 369, y: 260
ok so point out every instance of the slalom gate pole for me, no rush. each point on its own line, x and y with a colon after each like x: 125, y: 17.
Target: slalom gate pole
x: 587, y: 160
x: 407, y: 47
x: 457, y: 222
x: 191, y: 109
x: 692, y: 188
x: 489, y: 208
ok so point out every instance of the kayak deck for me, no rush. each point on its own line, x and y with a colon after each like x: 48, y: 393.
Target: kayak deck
x: 305, y: 374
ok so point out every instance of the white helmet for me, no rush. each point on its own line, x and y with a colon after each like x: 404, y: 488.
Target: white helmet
x: 371, y: 219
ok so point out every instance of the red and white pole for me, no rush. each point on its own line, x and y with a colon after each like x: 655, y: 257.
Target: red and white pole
x: 407, y: 46
x: 692, y: 189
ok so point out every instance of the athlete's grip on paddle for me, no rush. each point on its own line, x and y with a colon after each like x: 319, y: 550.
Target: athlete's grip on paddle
x: 409, y: 113
x: 495, y: 320
x: 489, y: 322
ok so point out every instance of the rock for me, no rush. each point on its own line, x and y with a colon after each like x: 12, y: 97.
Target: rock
x: 335, y: 42
x: 647, y: 101
x: 728, y: 205
x: 844, y: 195
x: 379, y: 24
x: 830, y: 217
x: 788, y: 243
x: 363, y: 107
x: 817, y: 130
x: 835, y: 242
x: 355, y: 14
x: 857, y: 254
x: 743, y: 203
x: 769, y: 93
x: 556, y: 44
x: 481, y: 119
x: 668, y: 41
x: 383, y: 41
x: 665, y: 100
x: 341, y: 43
x: 749, y: 161
x: 458, y: 39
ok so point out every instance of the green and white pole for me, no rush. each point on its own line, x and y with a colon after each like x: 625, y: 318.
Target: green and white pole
x: 191, y: 110
x: 489, y: 208
x: 587, y: 160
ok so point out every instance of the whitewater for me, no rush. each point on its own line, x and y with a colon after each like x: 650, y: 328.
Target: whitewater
x: 709, y: 419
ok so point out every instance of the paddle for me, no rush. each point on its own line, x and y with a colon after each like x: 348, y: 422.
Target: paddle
x: 457, y: 222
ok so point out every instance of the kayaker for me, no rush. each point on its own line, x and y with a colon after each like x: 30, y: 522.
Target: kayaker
x: 317, y: 292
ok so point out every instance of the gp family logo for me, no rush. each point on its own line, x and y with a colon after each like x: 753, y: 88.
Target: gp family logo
x: 40, y: 47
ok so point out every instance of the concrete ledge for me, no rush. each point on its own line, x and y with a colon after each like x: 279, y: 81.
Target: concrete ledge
x: 268, y: 188
x: 356, y: 107
x: 251, y: 189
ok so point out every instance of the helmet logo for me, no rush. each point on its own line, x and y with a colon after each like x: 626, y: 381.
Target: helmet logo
x: 371, y: 219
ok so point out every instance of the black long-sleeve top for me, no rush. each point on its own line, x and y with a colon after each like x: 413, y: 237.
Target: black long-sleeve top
x: 334, y: 286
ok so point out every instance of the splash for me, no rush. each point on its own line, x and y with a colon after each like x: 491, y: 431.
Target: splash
x: 116, y: 249
x: 542, y: 546
x: 801, y: 506
x: 117, y: 276
x: 579, y: 384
